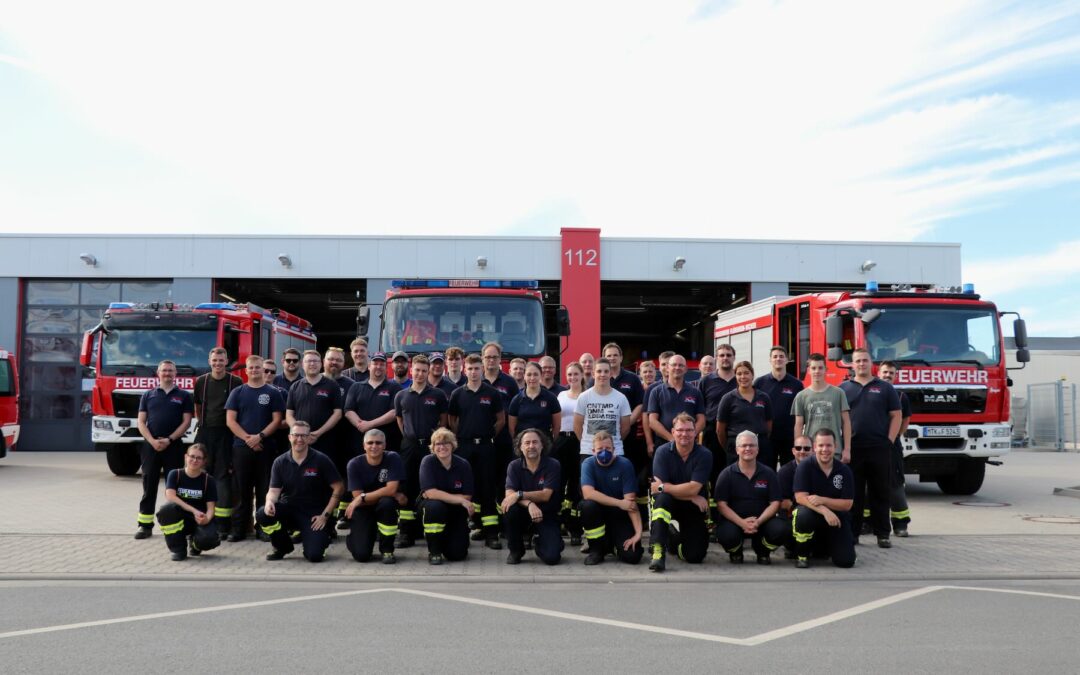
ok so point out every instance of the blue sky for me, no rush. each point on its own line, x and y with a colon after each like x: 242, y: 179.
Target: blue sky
x: 920, y: 121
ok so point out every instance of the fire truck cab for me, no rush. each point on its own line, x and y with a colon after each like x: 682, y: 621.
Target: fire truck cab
x: 9, y: 402
x: 125, y: 348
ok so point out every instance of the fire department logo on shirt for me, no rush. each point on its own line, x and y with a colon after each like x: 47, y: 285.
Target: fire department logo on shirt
x: 457, y: 485
x: 175, y: 399
x: 322, y: 393
x: 786, y: 391
x: 311, y: 473
x: 383, y: 473
x: 541, y: 481
x: 189, y: 493
x: 759, y: 404
x: 485, y: 400
x: 761, y: 484
x: 690, y: 399
x: 838, y: 482
x: 874, y: 390
x: 264, y: 399
x: 429, y: 400
x: 502, y: 389
x: 384, y: 392
x: 543, y: 404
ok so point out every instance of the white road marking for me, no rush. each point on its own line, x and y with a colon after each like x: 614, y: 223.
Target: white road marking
x: 752, y: 641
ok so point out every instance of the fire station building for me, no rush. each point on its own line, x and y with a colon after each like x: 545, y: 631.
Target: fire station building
x: 648, y: 294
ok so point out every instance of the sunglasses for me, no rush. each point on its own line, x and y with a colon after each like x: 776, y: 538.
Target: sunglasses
x: 804, y: 448
x: 291, y: 360
x: 269, y: 371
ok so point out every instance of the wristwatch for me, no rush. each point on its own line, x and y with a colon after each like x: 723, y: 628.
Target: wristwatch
x: 363, y: 497
x: 521, y: 494
x: 660, y: 488
x: 262, y: 436
x: 326, y: 515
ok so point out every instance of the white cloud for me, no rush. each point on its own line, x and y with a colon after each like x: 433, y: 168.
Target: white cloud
x: 1002, y: 275
x: 815, y: 120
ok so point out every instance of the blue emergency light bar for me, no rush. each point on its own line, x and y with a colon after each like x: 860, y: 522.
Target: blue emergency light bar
x: 121, y: 305
x: 462, y: 283
x: 219, y: 306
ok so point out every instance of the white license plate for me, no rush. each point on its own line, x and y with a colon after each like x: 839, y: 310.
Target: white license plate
x: 941, y: 432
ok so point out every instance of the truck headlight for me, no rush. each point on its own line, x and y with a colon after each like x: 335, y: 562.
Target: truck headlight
x: 1000, y: 432
x: 103, y: 424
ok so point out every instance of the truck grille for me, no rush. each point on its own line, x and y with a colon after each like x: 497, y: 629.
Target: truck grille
x: 932, y: 401
x: 126, y: 405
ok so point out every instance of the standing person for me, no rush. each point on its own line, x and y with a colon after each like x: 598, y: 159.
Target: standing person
x: 187, y: 518
x: 517, y: 371
x: 493, y: 375
x: 663, y: 361
x: 436, y: 369
x: 706, y: 366
x: 747, y: 494
x: 211, y: 392
x: 290, y: 371
x: 601, y: 408
x: 446, y: 485
x: 533, y: 494
x: 674, y: 396
x: 305, y: 489
x: 588, y: 364
x: 400, y: 365
x: 455, y: 362
x: 781, y: 387
x: 420, y: 410
x: 609, y: 511
x: 680, y: 479
x: 253, y: 413
x: 714, y: 387
x: 568, y: 452
x: 339, y: 441
x: 316, y: 400
x: 744, y: 409
x: 823, y: 406
x: 373, y: 481
x: 370, y: 405
x: 164, y: 417
x: 548, y: 371
x: 824, y: 491
x: 477, y: 417
x: 875, y: 425
x: 634, y: 446
x: 899, y: 512
x: 647, y: 374
x: 534, y: 407
x: 269, y: 370
x: 358, y: 350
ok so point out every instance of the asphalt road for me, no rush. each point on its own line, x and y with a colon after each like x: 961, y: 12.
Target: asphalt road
x: 803, y: 626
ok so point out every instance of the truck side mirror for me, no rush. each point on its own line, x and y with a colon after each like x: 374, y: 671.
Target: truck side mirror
x: 87, y: 345
x: 562, y: 320
x: 1023, y: 355
x: 870, y: 316
x: 835, y: 354
x: 363, y: 318
x: 834, y: 333
x: 1020, y: 336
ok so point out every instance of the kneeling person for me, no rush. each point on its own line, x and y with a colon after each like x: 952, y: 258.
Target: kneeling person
x: 824, y: 492
x: 533, y: 494
x: 680, y: 479
x: 609, y: 512
x: 748, y: 497
x: 446, y: 489
x: 305, y: 488
x: 374, y: 478
x: 189, y: 513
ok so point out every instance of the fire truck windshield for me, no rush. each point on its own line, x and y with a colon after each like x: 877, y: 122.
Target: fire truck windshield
x: 426, y: 323
x: 6, y: 385
x: 137, y: 351
x: 925, y: 335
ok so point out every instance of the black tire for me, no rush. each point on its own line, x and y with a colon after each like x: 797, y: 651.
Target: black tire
x: 967, y: 480
x: 123, y: 458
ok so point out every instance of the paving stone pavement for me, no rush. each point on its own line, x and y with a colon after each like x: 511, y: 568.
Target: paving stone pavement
x: 82, y: 529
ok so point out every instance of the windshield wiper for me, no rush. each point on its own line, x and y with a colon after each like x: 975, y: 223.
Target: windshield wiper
x: 121, y: 372
x: 911, y: 360
x: 185, y: 370
x: 974, y: 362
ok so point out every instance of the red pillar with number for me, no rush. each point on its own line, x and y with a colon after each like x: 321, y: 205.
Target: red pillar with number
x: 580, y: 292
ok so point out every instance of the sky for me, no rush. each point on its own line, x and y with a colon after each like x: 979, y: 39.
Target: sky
x: 942, y: 121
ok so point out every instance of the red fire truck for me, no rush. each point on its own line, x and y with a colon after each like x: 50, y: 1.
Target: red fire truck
x: 125, y: 348
x: 947, y: 343
x: 9, y: 402
x: 427, y: 315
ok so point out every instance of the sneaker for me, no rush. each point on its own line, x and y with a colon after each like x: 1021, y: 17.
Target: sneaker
x: 514, y: 557
x: 193, y: 550
x: 883, y: 542
x: 343, y: 523
x: 736, y: 557
x: 435, y: 559
x: 594, y: 558
x: 143, y: 532
x: 658, y: 562
x: 802, y: 563
x: 575, y: 540
x: 764, y: 559
x: 296, y: 537
x: 179, y: 555
x: 495, y: 545
x: 901, y: 532
x: 389, y: 558
x: 276, y: 554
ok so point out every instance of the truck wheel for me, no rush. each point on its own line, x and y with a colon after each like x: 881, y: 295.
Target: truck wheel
x: 123, y: 458
x: 967, y: 480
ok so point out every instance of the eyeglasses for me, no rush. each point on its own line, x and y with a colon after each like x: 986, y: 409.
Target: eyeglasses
x: 195, y: 458
x: 299, y: 435
x: 804, y: 448
x: 374, y: 442
x: 291, y: 360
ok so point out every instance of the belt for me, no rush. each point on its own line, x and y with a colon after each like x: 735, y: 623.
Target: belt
x: 421, y: 441
x: 568, y: 434
x: 478, y: 441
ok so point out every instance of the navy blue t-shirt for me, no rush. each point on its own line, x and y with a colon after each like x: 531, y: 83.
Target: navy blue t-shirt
x: 254, y: 407
x: 307, y: 486
x: 165, y: 412
x: 285, y: 384
x: 314, y: 403
x: 420, y: 412
x: 870, y: 407
x: 630, y: 386
x: 456, y: 480
x: 668, y: 402
x: 370, y: 402
x: 839, y: 484
x: 476, y: 411
x: 782, y: 395
x: 364, y: 477
x: 740, y: 414
x: 535, y: 413
x: 546, y: 477
x: 614, y: 480
x: 905, y: 413
x: 747, y: 496
x: 713, y: 387
x: 669, y: 467
x: 195, y: 491
x: 556, y: 388
x: 786, y: 474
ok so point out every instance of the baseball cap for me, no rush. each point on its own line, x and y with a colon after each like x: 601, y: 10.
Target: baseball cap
x: 378, y: 356
x: 400, y: 355
x: 436, y: 356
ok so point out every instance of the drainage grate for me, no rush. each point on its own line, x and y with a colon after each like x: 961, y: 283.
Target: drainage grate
x: 1054, y: 520
x: 983, y: 504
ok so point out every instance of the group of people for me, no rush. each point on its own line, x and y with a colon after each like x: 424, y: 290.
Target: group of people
x: 451, y: 448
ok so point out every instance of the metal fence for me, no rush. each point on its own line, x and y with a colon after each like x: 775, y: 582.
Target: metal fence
x: 1051, y: 416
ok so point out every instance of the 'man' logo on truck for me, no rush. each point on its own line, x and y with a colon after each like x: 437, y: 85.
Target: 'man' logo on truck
x: 941, y: 398
x: 942, y: 376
